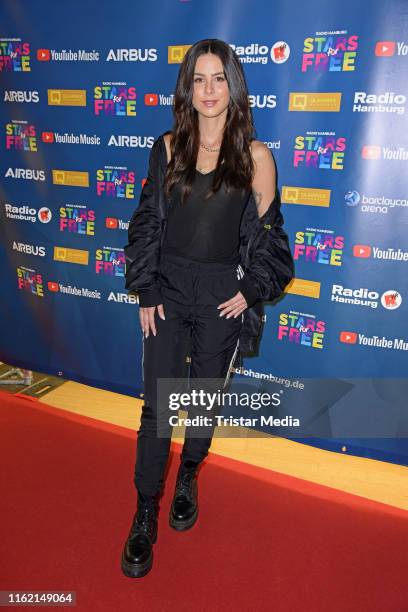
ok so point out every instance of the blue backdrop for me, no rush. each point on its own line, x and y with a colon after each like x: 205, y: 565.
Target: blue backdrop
x: 87, y: 87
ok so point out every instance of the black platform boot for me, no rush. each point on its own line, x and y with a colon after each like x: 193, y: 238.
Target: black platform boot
x: 184, y: 508
x: 137, y: 556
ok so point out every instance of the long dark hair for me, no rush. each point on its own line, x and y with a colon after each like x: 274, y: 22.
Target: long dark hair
x: 237, y: 169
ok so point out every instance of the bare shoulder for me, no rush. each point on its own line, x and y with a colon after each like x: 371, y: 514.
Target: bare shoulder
x: 260, y: 152
x: 264, y: 179
x: 167, y: 141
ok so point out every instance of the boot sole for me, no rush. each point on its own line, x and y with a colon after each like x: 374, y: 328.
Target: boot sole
x: 132, y: 570
x: 183, y: 525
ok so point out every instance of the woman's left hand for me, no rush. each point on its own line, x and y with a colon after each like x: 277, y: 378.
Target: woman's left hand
x: 234, y: 306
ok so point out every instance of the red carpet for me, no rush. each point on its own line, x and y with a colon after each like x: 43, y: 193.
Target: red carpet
x: 263, y: 541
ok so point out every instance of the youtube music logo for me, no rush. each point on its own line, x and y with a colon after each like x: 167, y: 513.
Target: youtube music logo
x: 52, y: 286
x: 371, y: 152
x: 385, y: 48
x: 151, y: 99
x: 111, y: 222
x: 348, y: 337
x: 361, y: 250
x: 47, y: 136
x: 43, y: 55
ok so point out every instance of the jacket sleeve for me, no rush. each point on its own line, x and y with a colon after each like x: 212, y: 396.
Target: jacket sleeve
x: 142, y: 253
x: 271, y: 265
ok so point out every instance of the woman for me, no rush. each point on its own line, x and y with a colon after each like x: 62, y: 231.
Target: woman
x: 206, y: 247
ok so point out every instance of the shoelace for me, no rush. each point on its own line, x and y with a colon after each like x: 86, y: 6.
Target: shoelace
x: 144, y: 520
x: 184, y: 483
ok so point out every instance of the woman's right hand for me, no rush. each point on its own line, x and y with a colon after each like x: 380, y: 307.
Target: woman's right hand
x: 146, y: 316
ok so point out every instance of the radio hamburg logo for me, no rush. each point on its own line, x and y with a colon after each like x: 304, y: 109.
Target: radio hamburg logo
x: 110, y: 261
x: 115, y: 99
x: 21, y: 136
x: 319, y: 246
x: 301, y: 328
x: 77, y: 219
x: 115, y: 182
x: 29, y: 280
x: 319, y: 150
x: 330, y: 52
x: 14, y: 55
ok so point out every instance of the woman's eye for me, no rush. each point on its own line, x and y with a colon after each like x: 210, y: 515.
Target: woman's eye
x: 221, y: 78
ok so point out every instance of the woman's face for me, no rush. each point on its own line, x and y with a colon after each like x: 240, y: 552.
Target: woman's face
x: 210, y: 92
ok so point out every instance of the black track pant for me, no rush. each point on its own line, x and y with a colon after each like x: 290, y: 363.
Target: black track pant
x: 191, y: 293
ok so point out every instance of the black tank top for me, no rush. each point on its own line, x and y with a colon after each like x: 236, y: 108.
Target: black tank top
x: 205, y: 230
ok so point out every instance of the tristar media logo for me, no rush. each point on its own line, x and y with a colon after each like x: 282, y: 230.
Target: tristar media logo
x: 114, y: 99
x: 21, y: 136
x: 377, y: 204
x: 323, y: 150
x: 77, y: 219
x: 301, y: 328
x: 307, y: 196
x: 330, y: 52
x: 110, y: 261
x: 115, y: 182
x: 14, y: 55
x: 29, y: 280
x: 320, y: 246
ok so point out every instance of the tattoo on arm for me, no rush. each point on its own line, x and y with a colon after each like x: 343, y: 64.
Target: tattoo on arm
x: 258, y: 198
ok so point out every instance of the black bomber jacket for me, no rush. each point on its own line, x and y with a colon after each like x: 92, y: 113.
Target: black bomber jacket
x: 265, y: 255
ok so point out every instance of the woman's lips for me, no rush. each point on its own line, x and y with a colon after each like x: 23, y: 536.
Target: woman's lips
x: 210, y: 103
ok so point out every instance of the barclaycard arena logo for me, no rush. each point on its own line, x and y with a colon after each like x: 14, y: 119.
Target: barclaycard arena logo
x: 115, y: 182
x: 330, y: 52
x: 110, y: 261
x: 14, y: 55
x: 21, y: 136
x: 390, y: 299
x: 27, y: 213
x: 321, y: 150
x: 377, y: 204
x: 77, y: 219
x: 320, y: 246
x: 29, y: 280
x: 114, y: 99
x: 300, y: 328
